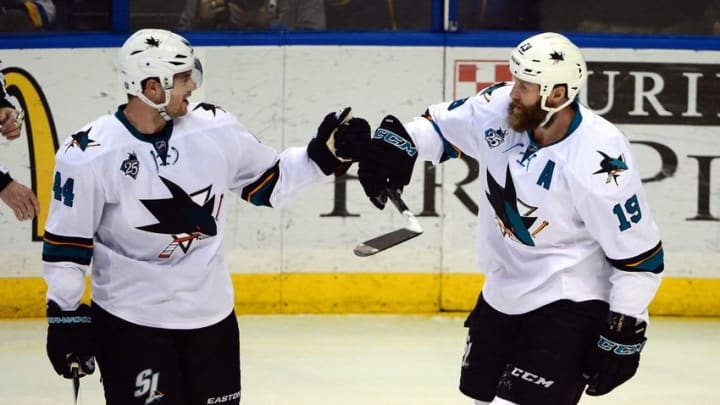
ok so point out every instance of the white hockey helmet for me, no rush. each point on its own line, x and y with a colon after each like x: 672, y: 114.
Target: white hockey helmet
x: 550, y: 59
x: 160, y: 54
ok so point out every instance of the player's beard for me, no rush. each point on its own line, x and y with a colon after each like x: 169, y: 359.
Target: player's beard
x: 525, y: 118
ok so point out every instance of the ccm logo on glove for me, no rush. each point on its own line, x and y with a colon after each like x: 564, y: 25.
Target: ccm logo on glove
x: 396, y: 140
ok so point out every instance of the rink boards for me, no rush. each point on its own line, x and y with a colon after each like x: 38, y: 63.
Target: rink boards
x: 299, y: 258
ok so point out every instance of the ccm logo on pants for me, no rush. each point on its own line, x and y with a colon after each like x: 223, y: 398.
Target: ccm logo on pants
x: 533, y: 378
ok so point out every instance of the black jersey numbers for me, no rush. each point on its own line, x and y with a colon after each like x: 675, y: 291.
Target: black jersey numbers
x: 63, y: 191
x: 628, y: 213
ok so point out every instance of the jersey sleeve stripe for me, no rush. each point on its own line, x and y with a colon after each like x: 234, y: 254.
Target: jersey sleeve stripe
x: 68, y: 240
x: 58, y: 248
x: 258, y: 192
x: 651, y: 261
x: 450, y: 151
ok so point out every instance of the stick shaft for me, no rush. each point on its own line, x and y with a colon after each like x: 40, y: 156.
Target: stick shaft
x: 394, y: 197
x: 76, y: 381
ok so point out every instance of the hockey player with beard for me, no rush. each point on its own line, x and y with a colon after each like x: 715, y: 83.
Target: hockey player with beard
x: 139, y: 195
x: 571, y: 254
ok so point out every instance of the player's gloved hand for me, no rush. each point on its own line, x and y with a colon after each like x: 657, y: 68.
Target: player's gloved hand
x: 334, y: 146
x: 389, y: 161
x: 616, y: 354
x: 321, y: 148
x: 69, y: 341
x: 352, y: 142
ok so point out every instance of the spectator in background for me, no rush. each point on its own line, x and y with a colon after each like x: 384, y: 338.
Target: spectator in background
x: 378, y: 15
x: 253, y: 15
x: 297, y: 15
x: 85, y: 15
x: 499, y: 14
x: 712, y: 17
x: 26, y: 16
x: 621, y: 16
x: 19, y: 198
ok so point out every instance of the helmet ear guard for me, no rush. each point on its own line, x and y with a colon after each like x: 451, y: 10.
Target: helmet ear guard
x: 550, y: 60
x: 158, y: 54
x: 197, y: 73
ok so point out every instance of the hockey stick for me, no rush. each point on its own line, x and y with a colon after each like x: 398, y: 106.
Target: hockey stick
x: 390, y: 239
x: 75, y: 367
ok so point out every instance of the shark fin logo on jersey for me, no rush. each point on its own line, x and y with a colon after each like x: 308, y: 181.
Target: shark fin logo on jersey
x: 612, y: 166
x: 81, y: 139
x: 513, y: 215
x: 209, y: 107
x: 495, y: 137
x: 182, y: 217
x: 130, y: 166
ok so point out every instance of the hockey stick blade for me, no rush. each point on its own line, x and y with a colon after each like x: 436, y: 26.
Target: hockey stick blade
x: 390, y: 239
x: 383, y: 242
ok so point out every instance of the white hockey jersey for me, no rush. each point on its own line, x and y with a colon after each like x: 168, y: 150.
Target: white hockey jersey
x: 568, y: 220
x: 148, y: 213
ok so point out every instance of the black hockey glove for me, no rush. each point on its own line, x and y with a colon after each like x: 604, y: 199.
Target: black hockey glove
x: 340, y: 140
x: 389, y: 161
x: 69, y: 341
x: 352, y: 140
x: 616, y: 354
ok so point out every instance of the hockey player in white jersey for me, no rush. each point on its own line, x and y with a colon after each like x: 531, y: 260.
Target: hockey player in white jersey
x: 571, y: 254
x: 139, y: 195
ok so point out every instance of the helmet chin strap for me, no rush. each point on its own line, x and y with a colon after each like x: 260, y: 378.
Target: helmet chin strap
x: 551, y: 110
x: 161, y: 107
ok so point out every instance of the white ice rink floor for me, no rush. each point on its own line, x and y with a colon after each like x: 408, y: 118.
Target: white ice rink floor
x: 374, y: 360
